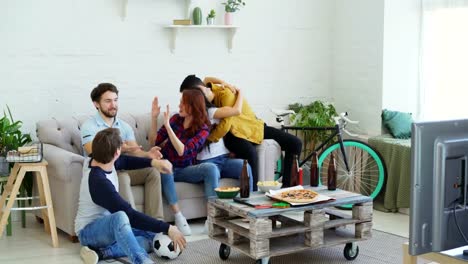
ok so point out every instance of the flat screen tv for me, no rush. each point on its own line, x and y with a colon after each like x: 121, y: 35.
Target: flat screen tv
x: 438, y: 207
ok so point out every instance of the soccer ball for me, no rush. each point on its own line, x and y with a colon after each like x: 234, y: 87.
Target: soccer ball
x: 164, y: 247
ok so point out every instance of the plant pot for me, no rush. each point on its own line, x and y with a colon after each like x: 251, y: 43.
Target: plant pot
x: 210, y: 20
x: 228, y: 18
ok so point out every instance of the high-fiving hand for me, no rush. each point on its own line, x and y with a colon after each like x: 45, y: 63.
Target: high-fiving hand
x: 167, y: 117
x: 155, y: 108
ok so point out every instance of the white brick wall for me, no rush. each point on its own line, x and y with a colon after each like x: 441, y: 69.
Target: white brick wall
x: 53, y: 52
x: 357, y: 61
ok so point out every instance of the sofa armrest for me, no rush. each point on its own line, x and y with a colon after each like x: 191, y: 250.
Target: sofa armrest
x: 60, y: 161
x: 268, y: 153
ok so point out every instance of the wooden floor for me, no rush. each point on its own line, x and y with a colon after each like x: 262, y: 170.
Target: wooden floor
x: 33, y: 245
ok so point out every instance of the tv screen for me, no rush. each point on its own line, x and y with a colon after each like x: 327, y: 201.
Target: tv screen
x: 438, y: 212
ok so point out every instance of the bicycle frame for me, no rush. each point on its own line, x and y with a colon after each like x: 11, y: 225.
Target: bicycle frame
x: 337, y: 132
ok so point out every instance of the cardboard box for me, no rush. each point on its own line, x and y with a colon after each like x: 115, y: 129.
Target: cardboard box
x: 184, y: 22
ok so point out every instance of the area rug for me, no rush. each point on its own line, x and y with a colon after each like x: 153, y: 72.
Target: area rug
x: 382, y: 248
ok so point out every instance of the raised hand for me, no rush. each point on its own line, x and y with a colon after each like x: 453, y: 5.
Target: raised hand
x: 177, y: 237
x: 167, y: 117
x: 155, y: 108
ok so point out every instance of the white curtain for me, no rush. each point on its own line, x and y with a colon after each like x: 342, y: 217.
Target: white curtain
x: 436, y: 4
x: 444, y: 60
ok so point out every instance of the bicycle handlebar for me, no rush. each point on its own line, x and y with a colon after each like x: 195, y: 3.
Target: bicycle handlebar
x: 282, y: 112
x: 344, y: 116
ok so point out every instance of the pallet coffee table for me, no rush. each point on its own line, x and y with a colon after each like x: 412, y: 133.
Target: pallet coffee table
x: 264, y: 233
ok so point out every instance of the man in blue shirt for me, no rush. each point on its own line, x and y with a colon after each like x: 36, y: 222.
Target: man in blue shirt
x: 105, y: 99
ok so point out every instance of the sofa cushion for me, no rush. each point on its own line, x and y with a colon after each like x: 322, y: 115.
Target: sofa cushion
x: 141, y: 125
x: 398, y: 123
x: 64, y: 134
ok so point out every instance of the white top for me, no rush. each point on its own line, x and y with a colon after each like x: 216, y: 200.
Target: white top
x: 216, y: 148
x: 88, y: 211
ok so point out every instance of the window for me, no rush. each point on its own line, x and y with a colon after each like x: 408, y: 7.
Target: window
x: 444, y: 63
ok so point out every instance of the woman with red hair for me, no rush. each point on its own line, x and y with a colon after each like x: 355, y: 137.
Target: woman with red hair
x: 184, y: 135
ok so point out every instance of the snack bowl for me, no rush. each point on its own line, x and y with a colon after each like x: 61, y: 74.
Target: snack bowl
x: 265, y: 186
x: 227, y: 192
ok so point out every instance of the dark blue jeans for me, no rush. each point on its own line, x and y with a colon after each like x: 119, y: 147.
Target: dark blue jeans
x: 111, y: 236
x: 230, y: 168
x: 207, y: 173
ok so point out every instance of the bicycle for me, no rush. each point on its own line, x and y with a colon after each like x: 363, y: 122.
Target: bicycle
x: 360, y: 168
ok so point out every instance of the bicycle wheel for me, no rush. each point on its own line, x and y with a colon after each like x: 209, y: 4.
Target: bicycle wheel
x: 366, y: 168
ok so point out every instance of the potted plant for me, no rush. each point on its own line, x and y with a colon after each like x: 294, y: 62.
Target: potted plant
x: 211, y: 17
x: 230, y: 7
x: 11, y: 138
x: 315, y: 114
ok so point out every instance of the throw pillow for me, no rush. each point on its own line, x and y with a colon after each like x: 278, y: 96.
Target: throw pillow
x: 398, y: 123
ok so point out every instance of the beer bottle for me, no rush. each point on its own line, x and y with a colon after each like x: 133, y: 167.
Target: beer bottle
x: 314, y: 173
x: 244, y: 182
x: 331, y: 179
x: 294, y: 180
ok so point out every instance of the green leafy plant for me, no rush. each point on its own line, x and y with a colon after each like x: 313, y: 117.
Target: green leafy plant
x: 212, y: 13
x: 11, y: 138
x: 315, y: 114
x: 233, y: 5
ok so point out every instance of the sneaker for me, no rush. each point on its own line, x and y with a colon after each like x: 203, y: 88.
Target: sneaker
x: 88, y: 255
x: 183, y: 226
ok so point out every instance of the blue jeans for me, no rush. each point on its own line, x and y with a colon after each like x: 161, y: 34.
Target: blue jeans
x: 206, y: 172
x: 230, y: 168
x: 111, y: 236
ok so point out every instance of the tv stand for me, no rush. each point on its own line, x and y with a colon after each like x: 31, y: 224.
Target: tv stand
x: 453, y: 256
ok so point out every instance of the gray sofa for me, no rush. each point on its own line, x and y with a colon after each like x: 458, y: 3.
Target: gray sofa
x: 64, y: 153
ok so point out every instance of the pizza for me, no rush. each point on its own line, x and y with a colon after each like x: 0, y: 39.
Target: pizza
x: 297, y: 196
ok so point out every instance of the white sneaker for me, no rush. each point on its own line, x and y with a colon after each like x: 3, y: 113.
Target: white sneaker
x: 183, y: 226
x: 88, y: 255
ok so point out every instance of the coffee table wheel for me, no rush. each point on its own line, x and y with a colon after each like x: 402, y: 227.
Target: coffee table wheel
x: 259, y: 261
x: 351, y: 251
x: 224, y: 251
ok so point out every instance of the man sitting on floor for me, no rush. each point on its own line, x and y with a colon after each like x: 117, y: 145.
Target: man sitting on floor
x: 107, y: 226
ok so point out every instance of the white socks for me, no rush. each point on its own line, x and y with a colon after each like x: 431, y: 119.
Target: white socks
x: 182, y: 224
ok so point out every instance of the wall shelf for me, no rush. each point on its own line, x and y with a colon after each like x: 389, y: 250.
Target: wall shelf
x: 176, y: 28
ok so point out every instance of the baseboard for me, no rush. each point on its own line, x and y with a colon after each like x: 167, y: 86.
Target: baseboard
x: 404, y: 211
